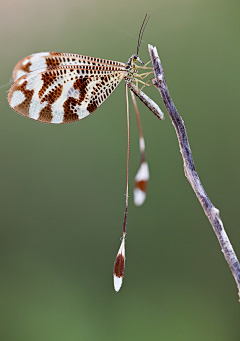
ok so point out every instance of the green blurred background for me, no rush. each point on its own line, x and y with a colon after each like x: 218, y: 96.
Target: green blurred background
x: 62, y: 187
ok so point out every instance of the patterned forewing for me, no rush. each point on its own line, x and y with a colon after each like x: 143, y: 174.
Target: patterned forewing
x: 63, y: 94
x: 45, y: 60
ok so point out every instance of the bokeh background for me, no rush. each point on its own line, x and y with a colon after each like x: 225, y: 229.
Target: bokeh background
x: 62, y: 187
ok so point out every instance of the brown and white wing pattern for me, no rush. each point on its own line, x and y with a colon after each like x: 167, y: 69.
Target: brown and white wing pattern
x: 45, y: 60
x: 62, y: 93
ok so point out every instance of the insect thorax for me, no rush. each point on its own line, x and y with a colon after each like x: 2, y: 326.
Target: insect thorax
x: 131, y: 68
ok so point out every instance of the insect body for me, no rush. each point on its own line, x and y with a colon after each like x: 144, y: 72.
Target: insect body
x: 60, y: 88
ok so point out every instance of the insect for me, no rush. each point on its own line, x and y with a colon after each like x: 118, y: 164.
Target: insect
x: 61, y: 88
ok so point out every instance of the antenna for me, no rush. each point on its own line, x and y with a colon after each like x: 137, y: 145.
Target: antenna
x: 145, y: 21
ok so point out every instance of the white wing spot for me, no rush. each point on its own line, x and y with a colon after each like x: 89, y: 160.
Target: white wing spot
x: 21, y: 81
x: 81, y: 111
x: 34, y: 81
x: 139, y: 196
x: 38, y: 61
x: 143, y: 172
x: 20, y: 73
x: 117, y: 281
x: 25, y: 62
x: 35, y: 108
x: 73, y: 93
x: 17, y: 98
x: 57, y: 116
x: 142, y: 144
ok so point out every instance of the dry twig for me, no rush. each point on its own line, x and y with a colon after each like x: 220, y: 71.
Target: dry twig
x: 190, y: 171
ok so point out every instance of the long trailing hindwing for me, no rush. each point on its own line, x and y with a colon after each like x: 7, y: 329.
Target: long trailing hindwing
x: 61, y: 87
x: 54, y: 87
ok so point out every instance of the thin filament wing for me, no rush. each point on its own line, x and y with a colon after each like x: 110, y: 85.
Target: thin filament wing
x: 142, y: 31
x: 119, y: 264
x: 142, y: 177
x: 128, y: 139
x: 142, y: 145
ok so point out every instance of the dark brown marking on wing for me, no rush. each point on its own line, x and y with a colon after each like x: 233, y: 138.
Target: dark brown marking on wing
x: 53, y: 62
x: 52, y: 96
x: 91, y: 107
x: 48, y: 79
x: 70, y: 114
x: 45, y: 114
x: 99, y: 93
x: 26, y: 68
x: 22, y: 108
x: 20, y: 66
x: 69, y: 106
x: 142, y: 185
x: 118, y: 269
x: 81, y: 84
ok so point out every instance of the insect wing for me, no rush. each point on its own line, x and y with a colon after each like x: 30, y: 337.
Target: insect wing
x: 43, y: 60
x: 63, y: 94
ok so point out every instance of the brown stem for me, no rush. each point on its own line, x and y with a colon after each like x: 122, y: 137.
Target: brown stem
x: 189, y: 168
